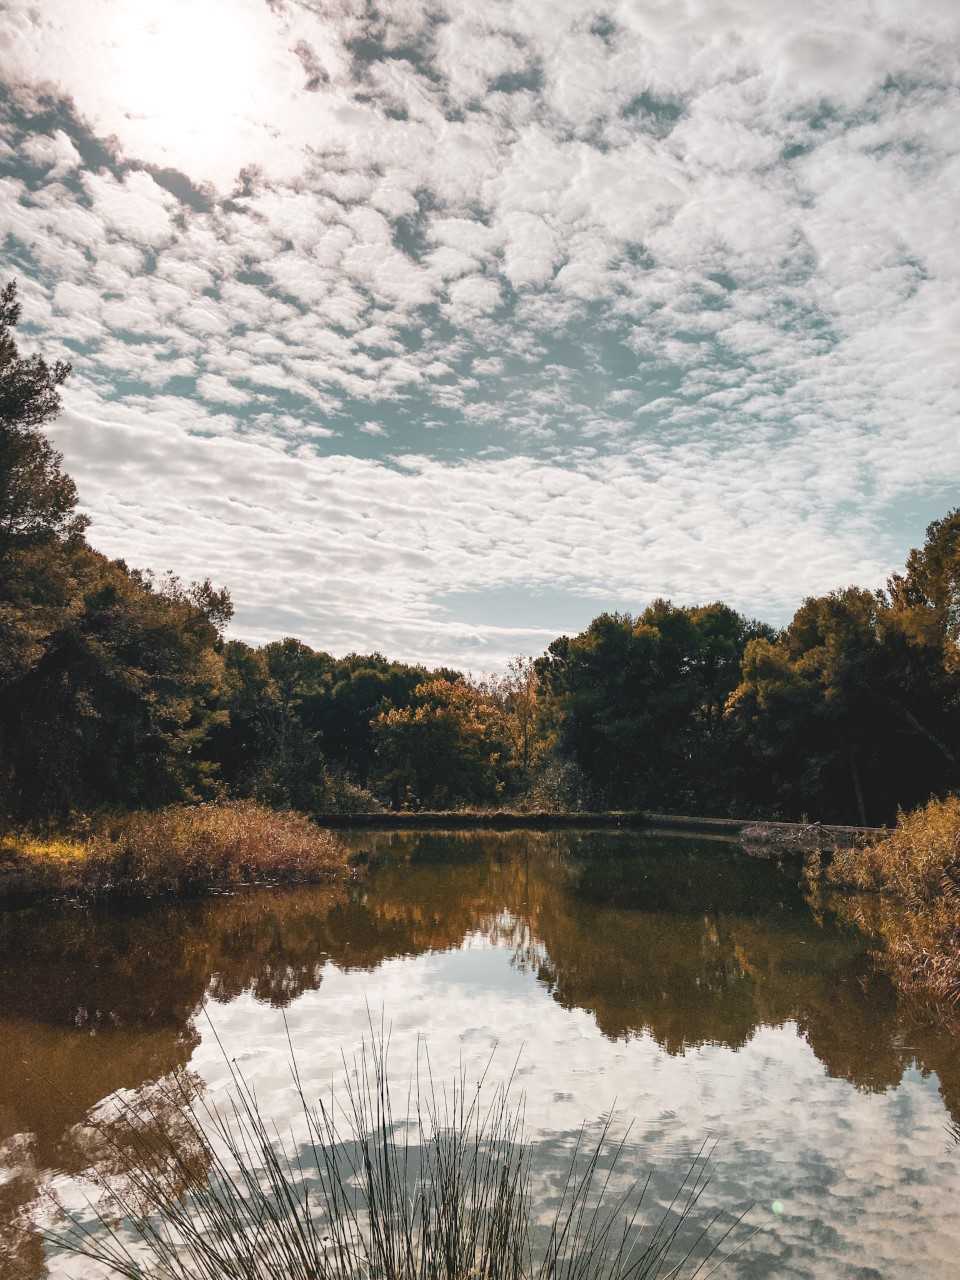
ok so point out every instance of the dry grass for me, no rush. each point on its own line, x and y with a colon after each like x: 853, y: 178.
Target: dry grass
x: 919, y: 861
x: 34, y: 868
x: 183, y: 849
x: 918, y: 864
x: 59, y: 852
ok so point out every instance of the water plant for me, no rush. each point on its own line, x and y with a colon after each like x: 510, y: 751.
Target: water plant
x: 441, y: 1189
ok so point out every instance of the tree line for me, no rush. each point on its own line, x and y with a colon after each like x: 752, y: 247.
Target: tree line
x: 119, y: 688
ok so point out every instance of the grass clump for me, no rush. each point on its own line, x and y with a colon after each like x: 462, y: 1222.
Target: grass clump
x: 183, y: 849
x: 441, y: 1190
x: 188, y: 847
x: 919, y: 861
x: 918, y: 864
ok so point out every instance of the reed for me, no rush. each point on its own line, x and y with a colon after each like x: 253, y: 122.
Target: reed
x: 440, y: 1190
x: 918, y: 865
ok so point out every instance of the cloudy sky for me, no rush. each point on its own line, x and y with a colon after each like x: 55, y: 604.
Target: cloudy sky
x: 439, y: 326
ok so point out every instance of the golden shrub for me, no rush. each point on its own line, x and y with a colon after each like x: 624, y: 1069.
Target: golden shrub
x: 919, y: 865
x: 181, y: 849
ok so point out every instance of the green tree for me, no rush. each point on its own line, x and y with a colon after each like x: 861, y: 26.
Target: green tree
x: 109, y: 680
x: 853, y: 710
x: 360, y: 687
x: 118, y: 703
x: 244, y: 740
x: 639, y: 703
x: 37, y: 499
x: 927, y: 594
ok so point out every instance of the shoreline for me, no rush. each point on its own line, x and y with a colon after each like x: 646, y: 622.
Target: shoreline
x: 794, y: 834
x: 81, y: 875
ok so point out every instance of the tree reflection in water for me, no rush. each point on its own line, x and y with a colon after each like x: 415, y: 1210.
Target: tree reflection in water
x: 687, y: 941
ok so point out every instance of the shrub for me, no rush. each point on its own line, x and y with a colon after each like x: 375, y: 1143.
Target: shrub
x: 919, y: 864
x: 341, y: 795
x: 181, y: 849
x: 188, y: 847
x: 919, y: 861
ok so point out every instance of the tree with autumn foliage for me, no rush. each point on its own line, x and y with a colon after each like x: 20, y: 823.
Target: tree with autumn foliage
x: 451, y: 746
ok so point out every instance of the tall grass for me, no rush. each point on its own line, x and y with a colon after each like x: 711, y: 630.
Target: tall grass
x: 919, y: 861
x: 918, y: 864
x: 441, y: 1190
x: 219, y: 845
x: 180, y: 849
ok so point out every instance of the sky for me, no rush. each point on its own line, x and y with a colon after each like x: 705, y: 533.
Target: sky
x: 440, y: 327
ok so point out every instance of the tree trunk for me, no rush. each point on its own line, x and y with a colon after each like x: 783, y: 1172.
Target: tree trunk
x: 857, y: 788
x: 915, y: 724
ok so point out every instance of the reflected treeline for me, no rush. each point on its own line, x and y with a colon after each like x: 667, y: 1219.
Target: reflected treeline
x: 95, y: 1000
x: 105, y: 1149
x: 685, y: 940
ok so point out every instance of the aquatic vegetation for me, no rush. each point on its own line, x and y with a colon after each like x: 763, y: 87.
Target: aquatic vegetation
x: 440, y: 1190
x: 918, y: 864
x: 919, y: 861
x: 179, y: 849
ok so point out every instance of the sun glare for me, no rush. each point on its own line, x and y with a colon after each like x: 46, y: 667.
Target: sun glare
x: 191, y: 76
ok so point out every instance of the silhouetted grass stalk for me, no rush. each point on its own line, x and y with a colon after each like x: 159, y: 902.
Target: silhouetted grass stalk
x: 442, y: 1192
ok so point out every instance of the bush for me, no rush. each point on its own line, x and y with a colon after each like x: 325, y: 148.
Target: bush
x: 180, y: 849
x: 310, y: 789
x: 919, y: 864
x: 919, y: 861
x: 341, y: 795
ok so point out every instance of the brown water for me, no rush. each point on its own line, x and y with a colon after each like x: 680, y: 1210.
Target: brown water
x: 682, y: 984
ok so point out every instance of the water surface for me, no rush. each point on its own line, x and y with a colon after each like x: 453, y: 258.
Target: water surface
x: 678, y: 983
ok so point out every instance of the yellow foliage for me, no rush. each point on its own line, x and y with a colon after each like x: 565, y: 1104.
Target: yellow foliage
x: 919, y: 861
x: 919, y: 864
x: 183, y: 848
x: 56, y: 851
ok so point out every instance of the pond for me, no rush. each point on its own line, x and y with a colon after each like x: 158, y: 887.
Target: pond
x: 670, y: 982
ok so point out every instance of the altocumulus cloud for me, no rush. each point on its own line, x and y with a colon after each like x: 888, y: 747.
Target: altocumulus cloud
x: 371, y: 306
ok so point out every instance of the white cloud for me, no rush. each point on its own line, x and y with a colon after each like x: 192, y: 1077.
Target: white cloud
x: 701, y: 261
x: 214, y: 388
x: 54, y: 152
x: 473, y: 294
x: 383, y: 541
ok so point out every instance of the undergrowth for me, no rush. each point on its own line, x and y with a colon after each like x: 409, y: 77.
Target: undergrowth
x: 918, y: 866
x: 181, y: 849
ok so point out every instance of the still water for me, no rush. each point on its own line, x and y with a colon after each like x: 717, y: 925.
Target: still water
x: 676, y: 983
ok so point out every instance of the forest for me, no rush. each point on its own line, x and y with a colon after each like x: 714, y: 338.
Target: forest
x: 120, y: 689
